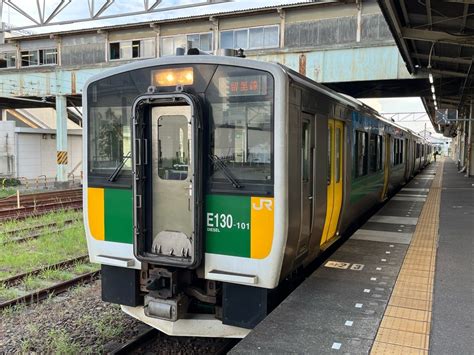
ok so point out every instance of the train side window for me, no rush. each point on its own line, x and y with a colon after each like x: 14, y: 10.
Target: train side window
x: 338, y: 154
x: 305, y: 151
x: 329, y: 154
x: 361, y: 150
x: 373, y: 152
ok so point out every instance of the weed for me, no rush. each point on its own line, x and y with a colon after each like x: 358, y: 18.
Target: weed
x: 80, y: 269
x: 32, y: 283
x: 8, y: 293
x: 59, y: 342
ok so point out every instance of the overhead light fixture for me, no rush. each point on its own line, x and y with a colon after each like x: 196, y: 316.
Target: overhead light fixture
x: 432, y: 89
x: 434, y: 97
x: 430, y: 76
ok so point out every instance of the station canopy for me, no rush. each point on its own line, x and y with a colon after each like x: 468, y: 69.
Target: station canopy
x: 436, y: 40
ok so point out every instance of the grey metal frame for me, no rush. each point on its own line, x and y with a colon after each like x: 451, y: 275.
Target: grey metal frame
x: 197, y: 242
x: 93, y: 13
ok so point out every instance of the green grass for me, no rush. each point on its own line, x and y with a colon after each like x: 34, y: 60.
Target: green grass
x: 47, y: 250
x: 8, y: 293
x: 7, y: 192
x: 60, y: 343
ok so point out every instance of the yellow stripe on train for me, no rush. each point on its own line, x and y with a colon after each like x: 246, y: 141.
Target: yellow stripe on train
x: 95, y: 212
x: 261, y: 226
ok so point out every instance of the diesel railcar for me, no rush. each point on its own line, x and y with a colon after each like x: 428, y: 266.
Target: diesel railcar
x: 209, y: 180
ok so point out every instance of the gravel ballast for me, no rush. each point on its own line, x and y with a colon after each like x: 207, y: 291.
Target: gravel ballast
x: 80, y: 322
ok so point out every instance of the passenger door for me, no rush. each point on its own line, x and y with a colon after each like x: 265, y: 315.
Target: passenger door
x: 335, y: 178
x: 307, y: 175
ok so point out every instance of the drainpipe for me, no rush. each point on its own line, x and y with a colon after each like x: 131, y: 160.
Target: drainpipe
x: 359, y: 20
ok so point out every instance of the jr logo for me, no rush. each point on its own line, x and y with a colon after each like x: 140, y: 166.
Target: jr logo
x: 268, y: 204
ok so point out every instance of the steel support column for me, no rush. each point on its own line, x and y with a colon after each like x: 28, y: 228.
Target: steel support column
x: 470, y: 142
x: 61, y: 139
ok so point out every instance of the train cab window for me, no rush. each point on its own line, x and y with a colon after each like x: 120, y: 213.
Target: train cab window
x: 338, y: 154
x: 361, y: 151
x: 241, y: 109
x: 373, y: 152
x: 173, y: 147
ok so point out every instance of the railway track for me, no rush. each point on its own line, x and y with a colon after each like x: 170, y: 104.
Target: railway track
x: 39, y: 197
x: 39, y: 203
x: 33, y: 211
x: 55, y: 289
x: 148, y: 335
x: 37, y: 231
x: 10, y: 281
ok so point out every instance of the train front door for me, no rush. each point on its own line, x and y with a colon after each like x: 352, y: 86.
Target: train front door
x: 172, y: 180
x: 335, y: 178
x: 167, y: 186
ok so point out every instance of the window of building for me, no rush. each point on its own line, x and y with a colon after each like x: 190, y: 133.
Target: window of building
x: 203, y: 41
x: 143, y: 48
x: 361, y: 151
x: 39, y: 57
x: 8, y: 59
x: 251, y: 38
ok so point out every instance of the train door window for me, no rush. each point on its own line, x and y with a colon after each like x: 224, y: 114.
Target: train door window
x: 173, y: 147
x: 361, y: 149
x: 401, y: 151
x: 338, y: 140
x: 379, y: 152
x: 329, y: 154
x: 395, y: 151
x: 305, y: 151
x: 373, y: 152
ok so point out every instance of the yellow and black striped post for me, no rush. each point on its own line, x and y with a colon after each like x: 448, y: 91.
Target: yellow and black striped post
x: 61, y: 157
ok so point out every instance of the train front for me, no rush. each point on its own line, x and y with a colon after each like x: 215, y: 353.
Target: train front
x: 180, y: 201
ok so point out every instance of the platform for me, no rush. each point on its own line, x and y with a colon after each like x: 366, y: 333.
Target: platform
x: 374, y: 294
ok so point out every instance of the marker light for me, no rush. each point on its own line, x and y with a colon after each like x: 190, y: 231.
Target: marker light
x: 430, y: 76
x: 173, y: 77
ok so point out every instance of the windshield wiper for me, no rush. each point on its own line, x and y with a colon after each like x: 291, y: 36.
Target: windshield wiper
x: 119, y: 168
x: 220, y: 165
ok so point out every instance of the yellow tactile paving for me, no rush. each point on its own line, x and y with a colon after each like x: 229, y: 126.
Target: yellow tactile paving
x: 403, y: 338
x: 408, y: 325
x: 405, y: 327
x: 392, y: 349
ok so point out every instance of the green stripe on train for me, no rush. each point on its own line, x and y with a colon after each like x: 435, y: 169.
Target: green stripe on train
x: 118, y: 204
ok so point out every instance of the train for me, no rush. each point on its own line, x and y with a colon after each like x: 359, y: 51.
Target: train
x: 210, y: 180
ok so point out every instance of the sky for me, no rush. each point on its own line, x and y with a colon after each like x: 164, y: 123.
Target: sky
x: 79, y: 9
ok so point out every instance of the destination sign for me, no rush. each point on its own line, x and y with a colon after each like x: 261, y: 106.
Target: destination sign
x: 252, y: 85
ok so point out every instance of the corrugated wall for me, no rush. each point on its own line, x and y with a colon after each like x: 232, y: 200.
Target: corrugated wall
x: 334, y: 31
x: 83, y: 49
